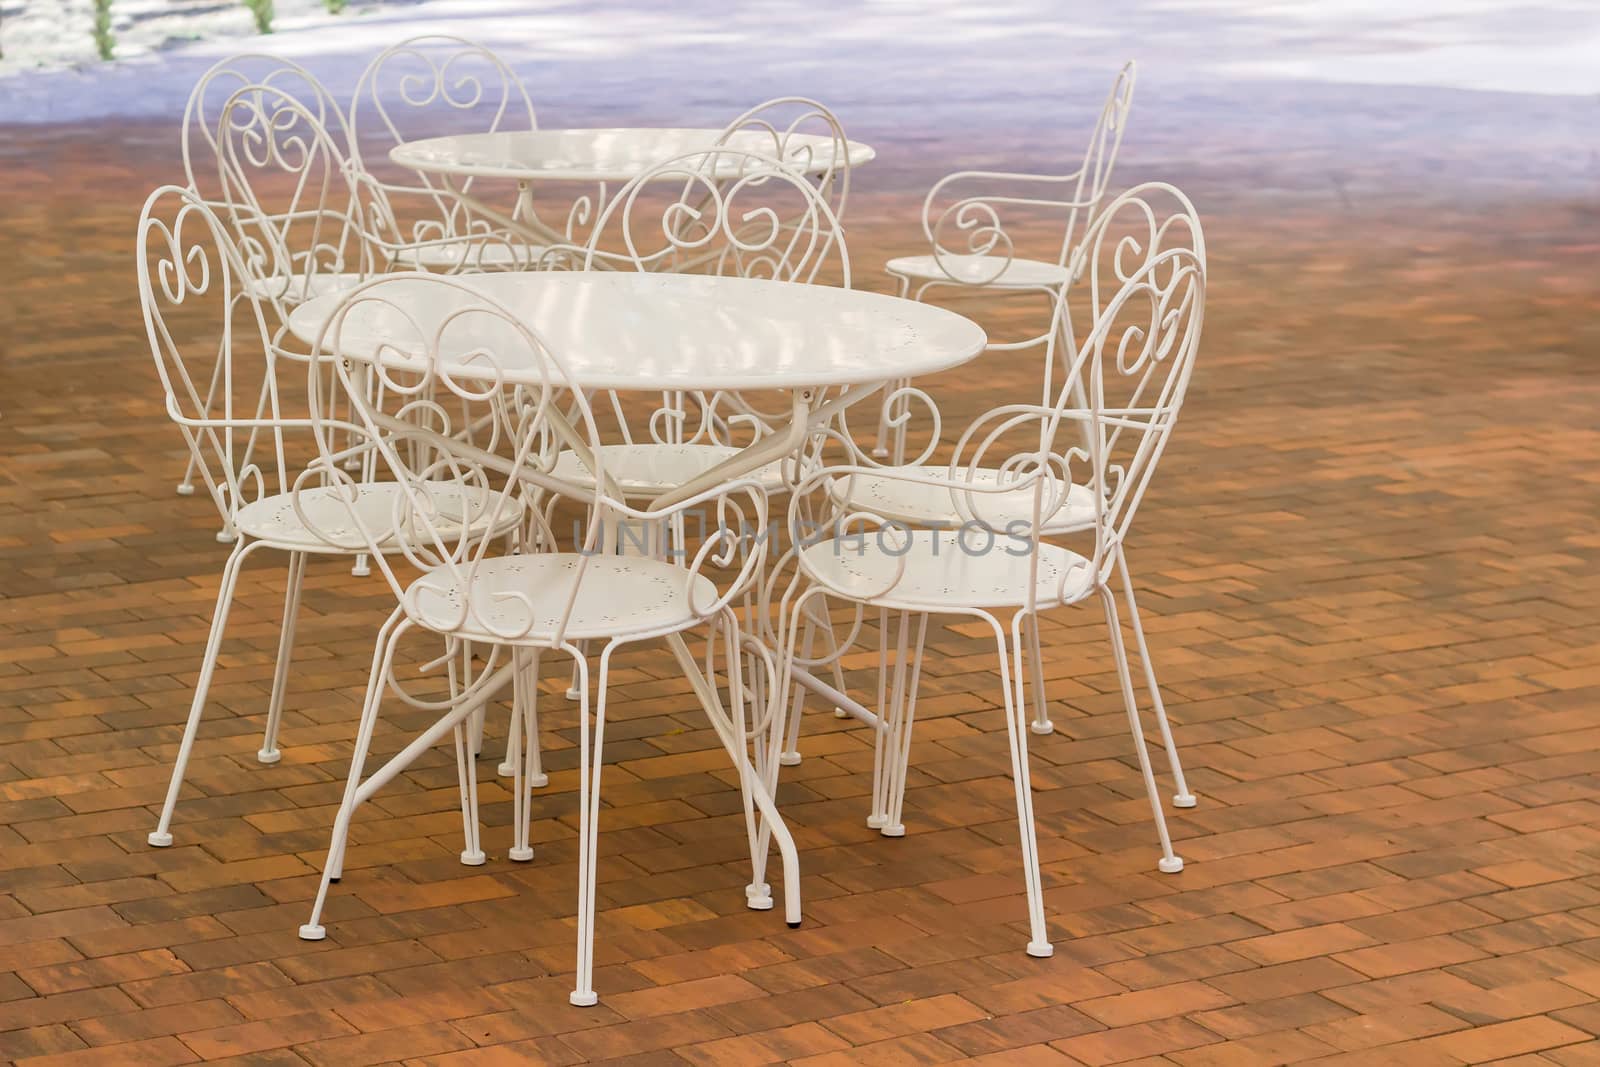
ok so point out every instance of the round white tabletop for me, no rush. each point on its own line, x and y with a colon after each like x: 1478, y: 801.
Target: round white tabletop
x: 595, y: 155
x: 659, y: 331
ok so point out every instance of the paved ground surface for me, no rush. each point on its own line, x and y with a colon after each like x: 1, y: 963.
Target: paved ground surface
x: 1368, y: 563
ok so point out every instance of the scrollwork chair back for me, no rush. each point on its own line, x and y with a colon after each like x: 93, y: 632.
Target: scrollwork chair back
x: 202, y: 115
x: 417, y: 359
x: 212, y: 351
x: 804, y: 134
x: 728, y: 211
x: 291, y: 199
x: 725, y: 210
x: 1147, y: 301
x: 427, y: 86
x: 448, y: 355
x: 1080, y: 460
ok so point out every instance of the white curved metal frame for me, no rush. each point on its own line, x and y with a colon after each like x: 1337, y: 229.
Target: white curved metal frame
x: 408, y: 92
x: 966, y: 222
x: 202, y: 116
x: 726, y: 211
x: 191, y: 277
x: 464, y: 592
x: 1104, y: 429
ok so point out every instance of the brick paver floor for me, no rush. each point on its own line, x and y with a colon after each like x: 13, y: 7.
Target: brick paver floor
x: 1368, y: 565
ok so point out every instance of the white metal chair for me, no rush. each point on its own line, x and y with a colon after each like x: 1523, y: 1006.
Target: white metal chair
x: 202, y: 328
x: 305, y: 219
x: 965, y: 217
x: 970, y: 219
x: 425, y: 86
x: 290, y: 198
x: 241, y: 98
x: 724, y: 211
x: 202, y: 115
x: 806, y: 136
x: 462, y: 347
x: 1154, y: 216
x: 981, y: 536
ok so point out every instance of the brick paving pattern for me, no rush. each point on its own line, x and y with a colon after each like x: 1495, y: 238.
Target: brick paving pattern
x: 1368, y: 566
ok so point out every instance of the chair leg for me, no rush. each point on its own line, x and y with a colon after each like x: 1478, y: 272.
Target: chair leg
x: 878, y: 816
x: 280, y: 676
x: 467, y: 777
x: 518, y: 737
x: 480, y: 717
x: 522, y: 746
x: 907, y: 680
x: 758, y: 894
x: 472, y: 853
x: 508, y: 766
x: 817, y: 623
x: 1041, y: 708
x: 358, y: 792
x: 574, y: 688
x: 1183, y: 798
x: 537, y: 778
x: 1016, y: 716
x: 476, y: 727
x: 333, y: 866
x: 161, y: 836
x: 591, y: 756
x: 1169, y: 862
x: 790, y: 756
x: 186, y: 486
x: 732, y: 735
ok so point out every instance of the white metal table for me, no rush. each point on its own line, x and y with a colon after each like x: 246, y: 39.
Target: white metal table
x: 626, y: 331
x: 663, y: 332
x: 590, y: 155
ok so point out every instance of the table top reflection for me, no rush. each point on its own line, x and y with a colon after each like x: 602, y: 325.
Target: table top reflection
x: 647, y: 331
x: 600, y: 155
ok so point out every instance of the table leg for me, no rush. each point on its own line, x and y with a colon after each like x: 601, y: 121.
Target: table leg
x: 732, y: 736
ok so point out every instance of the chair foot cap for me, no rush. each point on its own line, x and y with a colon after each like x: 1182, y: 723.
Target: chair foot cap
x: 573, y: 694
x: 789, y: 759
x: 1046, y: 727
x: 268, y: 755
x: 793, y: 924
x: 505, y: 770
x: 157, y: 839
x: 1170, y: 866
x: 185, y: 489
x: 521, y: 854
x: 1041, y: 949
x: 897, y: 830
x: 538, y: 781
x: 1184, y: 800
x: 877, y: 822
x: 583, y: 1000
x: 226, y: 538
x: 312, y: 932
x: 758, y: 903
x: 474, y: 859
x: 840, y: 713
x: 360, y: 572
